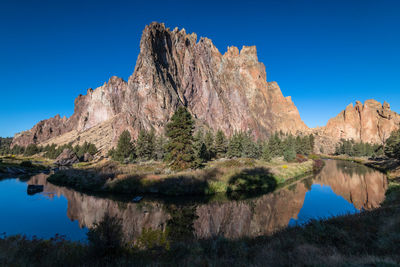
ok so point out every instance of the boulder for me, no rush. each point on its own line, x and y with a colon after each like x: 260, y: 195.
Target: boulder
x: 87, y: 157
x: 66, y: 158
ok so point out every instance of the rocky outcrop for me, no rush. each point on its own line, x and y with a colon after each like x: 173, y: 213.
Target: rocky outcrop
x: 223, y: 91
x: 66, y: 158
x: 371, y: 122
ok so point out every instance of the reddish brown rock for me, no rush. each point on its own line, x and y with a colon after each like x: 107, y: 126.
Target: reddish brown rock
x: 228, y: 92
x: 66, y: 158
x: 370, y: 122
x: 222, y: 91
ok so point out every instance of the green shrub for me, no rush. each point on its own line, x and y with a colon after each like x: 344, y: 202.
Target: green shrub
x: 106, y: 237
x: 153, y: 239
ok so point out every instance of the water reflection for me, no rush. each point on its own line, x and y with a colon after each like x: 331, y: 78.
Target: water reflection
x: 339, y: 187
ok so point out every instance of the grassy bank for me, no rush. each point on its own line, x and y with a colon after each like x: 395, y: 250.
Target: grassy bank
x: 22, y: 167
x: 222, y: 176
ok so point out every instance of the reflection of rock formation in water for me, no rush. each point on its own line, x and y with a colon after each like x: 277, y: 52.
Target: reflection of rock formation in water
x: 363, y: 187
x: 259, y: 216
x: 91, y: 209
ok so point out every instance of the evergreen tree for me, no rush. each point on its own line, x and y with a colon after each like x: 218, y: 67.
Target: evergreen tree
x: 125, y: 148
x: 199, y: 149
x: 275, y: 146
x: 220, y: 144
x: 289, y: 153
x: 300, y: 145
x: 249, y: 147
x: 180, y: 133
x: 392, y: 147
x: 209, y: 143
x: 235, y: 145
x: 31, y: 150
x: 312, y: 143
x: 266, y: 153
x: 145, y: 145
x: 159, y: 148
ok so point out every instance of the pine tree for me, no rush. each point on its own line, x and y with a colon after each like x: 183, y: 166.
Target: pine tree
x: 31, y: 150
x: 145, y: 145
x: 180, y: 133
x: 159, y: 148
x: 312, y: 143
x: 220, y: 144
x: 209, y: 143
x: 266, y: 153
x: 275, y: 146
x: 249, y: 147
x: 199, y: 149
x: 235, y: 145
x: 125, y: 148
x: 392, y: 147
x: 289, y: 153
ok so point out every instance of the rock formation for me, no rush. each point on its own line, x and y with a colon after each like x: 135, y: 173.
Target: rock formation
x: 228, y: 92
x: 372, y: 122
x: 222, y: 91
x: 66, y: 158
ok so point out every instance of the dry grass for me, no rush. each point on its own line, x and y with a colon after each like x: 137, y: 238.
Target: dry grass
x: 156, y: 177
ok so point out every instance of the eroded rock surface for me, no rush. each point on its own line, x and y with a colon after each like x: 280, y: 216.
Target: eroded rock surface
x: 371, y: 122
x: 223, y: 91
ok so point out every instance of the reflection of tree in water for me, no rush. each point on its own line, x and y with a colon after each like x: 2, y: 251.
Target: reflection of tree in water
x: 352, y: 168
x: 308, y: 182
x: 180, y: 225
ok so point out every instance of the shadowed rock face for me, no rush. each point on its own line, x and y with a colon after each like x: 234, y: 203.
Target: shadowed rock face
x: 228, y: 92
x: 363, y: 187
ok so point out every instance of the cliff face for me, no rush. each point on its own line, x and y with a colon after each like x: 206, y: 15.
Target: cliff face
x: 228, y: 92
x: 370, y: 122
x: 222, y: 91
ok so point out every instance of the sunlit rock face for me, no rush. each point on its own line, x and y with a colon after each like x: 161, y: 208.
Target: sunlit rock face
x: 371, y: 122
x: 228, y: 92
x: 363, y: 187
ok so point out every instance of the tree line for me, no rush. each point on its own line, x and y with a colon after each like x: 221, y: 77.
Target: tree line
x: 49, y: 151
x: 183, y: 148
x: 358, y: 149
x: 390, y: 149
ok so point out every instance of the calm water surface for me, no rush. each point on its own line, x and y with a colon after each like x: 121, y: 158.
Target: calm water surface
x: 340, y: 188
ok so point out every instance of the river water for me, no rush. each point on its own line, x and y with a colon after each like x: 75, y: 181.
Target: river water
x: 340, y: 188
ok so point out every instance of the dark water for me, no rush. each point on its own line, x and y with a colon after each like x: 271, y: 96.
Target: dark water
x: 340, y: 188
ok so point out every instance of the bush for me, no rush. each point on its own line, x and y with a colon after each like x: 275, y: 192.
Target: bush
x: 301, y: 158
x: 289, y: 154
x: 106, y: 237
x: 153, y: 239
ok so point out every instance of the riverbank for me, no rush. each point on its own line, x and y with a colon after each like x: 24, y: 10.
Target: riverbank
x: 22, y: 167
x: 391, y: 167
x: 367, y: 238
x: 229, y: 176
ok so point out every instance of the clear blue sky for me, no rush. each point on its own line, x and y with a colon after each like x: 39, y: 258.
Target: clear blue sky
x: 325, y: 54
